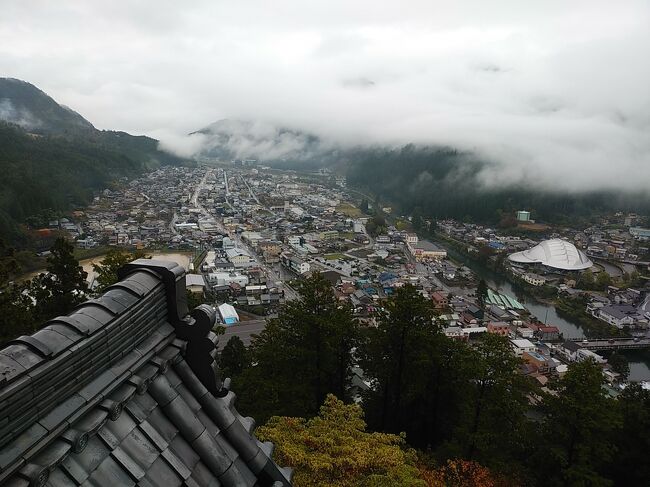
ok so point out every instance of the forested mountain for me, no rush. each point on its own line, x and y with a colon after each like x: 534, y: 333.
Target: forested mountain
x: 53, y: 158
x: 23, y: 104
x: 439, y: 181
x: 443, y: 183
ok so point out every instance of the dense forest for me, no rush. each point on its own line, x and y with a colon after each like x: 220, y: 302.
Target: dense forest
x: 54, y: 172
x: 443, y: 183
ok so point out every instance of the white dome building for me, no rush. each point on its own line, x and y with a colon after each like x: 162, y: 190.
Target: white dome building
x: 555, y: 253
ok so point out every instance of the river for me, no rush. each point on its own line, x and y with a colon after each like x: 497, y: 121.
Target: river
x: 639, y: 359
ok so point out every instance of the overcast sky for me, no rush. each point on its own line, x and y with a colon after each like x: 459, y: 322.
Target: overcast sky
x: 553, y: 90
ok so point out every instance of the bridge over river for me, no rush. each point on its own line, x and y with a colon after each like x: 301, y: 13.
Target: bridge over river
x: 616, y: 343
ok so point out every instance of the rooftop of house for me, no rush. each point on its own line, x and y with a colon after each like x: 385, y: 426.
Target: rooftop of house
x: 124, y: 391
x: 428, y: 246
x: 618, y: 311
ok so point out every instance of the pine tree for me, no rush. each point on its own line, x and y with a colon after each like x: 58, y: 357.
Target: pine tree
x: 492, y: 411
x: 629, y: 465
x: 579, y: 419
x: 393, y: 353
x: 16, y: 312
x: 364, y: 207
x: 482, y: 293
x: 234, y: 358
x: 64, y: 284
x: 302, y: 355
x: 107, y: 269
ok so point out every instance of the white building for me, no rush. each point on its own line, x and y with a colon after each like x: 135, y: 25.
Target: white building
x: 195, y: 283
x: 227, y: 278
x: 294, y: 263
x: 523, y: 216
x: 555, y: 253
x: 239, y: 257
x: 584, y: 354
x: 228, y: 314
x: 522, y: 345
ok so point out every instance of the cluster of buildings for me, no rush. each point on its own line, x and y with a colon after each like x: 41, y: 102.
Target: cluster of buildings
x: 614, y: 247
x: 622, y: 308
x: 618, y: 238
x: 259, y: 231
x: 142, y: 213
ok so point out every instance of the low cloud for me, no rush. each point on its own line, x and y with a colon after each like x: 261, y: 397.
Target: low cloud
x: 181, y: 145
x: 20, y: 117
x: 554, y: 94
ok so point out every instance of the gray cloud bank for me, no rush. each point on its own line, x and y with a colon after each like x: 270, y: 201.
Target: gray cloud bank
x: 554, y: 92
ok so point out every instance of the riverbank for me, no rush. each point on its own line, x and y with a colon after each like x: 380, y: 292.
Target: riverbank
x: 572, y: 307
x: 569, y: 324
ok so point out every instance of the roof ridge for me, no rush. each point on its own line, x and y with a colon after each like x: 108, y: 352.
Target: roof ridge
x: 60, y: 385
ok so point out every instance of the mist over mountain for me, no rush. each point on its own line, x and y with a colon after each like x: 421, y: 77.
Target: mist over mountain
x: 262, y: 141
x: 436, y: 181
x: 23, y: 104
x: 51, y: 158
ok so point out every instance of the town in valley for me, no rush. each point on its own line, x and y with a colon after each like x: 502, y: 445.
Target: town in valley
x: 248, y: 233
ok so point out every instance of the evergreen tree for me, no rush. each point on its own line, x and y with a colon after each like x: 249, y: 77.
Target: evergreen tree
x: 482, y: 293
x: 234, y: 358
x: 603, y: 280
x: 393, y: 354
x: 417, y: 219
x: 586, y: 280
x: 439, y: 389
x: 576, y: 436
x: 629, y: 465
x: 16, y: 312
x: 113, y: 260
x: 302, y: 355
x: 9, y: 266
x: 364, y: 207
x: 64, y: 284
x: 194, y: 299
x: 491, y: 419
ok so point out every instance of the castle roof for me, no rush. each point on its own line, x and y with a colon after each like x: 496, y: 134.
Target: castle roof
x: 123, y: 391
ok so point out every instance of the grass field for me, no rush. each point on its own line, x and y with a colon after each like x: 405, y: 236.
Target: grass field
x: 349, y: 210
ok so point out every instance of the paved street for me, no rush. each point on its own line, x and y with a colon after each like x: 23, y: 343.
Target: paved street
x: 243, y: 330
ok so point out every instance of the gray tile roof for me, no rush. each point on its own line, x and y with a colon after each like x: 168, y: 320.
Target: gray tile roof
x: 107, y: 396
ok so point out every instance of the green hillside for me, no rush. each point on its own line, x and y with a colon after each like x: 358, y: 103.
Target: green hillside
x: 53, y: 158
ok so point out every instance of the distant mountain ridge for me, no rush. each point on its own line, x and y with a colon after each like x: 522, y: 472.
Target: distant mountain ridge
x: 52, y: 158
x: 435, y: 181
x: 229, y: 139
x: 25, y: 105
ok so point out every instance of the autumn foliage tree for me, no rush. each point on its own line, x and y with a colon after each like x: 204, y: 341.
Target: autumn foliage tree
x: 334, y: 449
x: 465, y: 473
